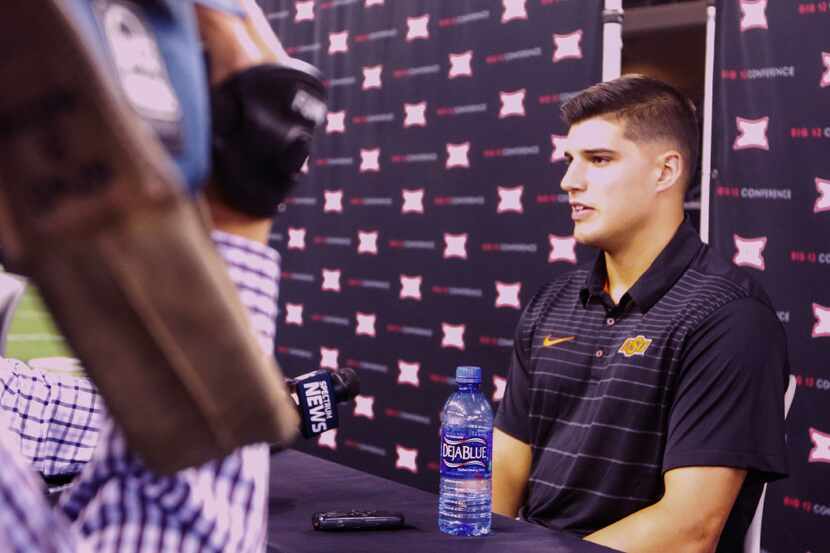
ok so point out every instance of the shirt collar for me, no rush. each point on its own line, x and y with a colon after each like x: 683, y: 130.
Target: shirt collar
x: 658, y: 278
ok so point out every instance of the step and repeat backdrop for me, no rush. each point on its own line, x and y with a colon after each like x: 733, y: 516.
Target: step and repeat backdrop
x: 430, y: 211
x: 771, y: 215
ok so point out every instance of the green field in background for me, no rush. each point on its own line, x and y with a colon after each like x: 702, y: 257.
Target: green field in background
x: 32, y: 333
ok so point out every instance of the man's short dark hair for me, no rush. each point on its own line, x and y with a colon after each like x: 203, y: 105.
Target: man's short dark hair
x: 651, y: 110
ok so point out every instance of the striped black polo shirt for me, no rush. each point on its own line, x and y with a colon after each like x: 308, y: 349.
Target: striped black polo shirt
x: 688, y: 369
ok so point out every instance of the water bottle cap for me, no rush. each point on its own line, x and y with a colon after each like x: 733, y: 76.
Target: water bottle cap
x: 468, y: 375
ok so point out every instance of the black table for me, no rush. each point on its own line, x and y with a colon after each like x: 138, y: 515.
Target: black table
x: 302, y: 484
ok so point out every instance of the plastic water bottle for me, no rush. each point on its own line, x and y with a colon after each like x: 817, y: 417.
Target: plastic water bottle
x: 464, y: 501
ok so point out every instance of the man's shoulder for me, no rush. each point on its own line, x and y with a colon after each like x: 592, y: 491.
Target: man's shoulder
x: 565, y: 287
x: 714, y: 267
x: 711, y: 283
x: 572, y: 280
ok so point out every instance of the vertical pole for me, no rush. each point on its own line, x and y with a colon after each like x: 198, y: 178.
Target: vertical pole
x: 708, y: 100
x: 612, y: 19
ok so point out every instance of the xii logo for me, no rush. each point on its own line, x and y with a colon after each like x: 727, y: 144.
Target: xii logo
x: 749, y: 252
x: 753, y: 15
x: 821, y: 450
x: 752, y: 133
x: 305, y: 11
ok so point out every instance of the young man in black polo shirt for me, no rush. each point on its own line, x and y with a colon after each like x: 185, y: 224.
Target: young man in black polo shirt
x: 644, y: 408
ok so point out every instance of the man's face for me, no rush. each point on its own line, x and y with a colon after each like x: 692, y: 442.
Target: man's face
x: 610, y: 183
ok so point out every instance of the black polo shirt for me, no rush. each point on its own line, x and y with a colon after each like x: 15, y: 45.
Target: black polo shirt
x: 688, y: 369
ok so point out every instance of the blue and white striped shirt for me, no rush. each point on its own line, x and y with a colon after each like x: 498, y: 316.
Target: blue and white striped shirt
x: 54, y: 418
x: 27, y: 522
x: 119, y: 505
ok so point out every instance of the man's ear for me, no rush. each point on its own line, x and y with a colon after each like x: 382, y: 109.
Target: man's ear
x: 671, y: 170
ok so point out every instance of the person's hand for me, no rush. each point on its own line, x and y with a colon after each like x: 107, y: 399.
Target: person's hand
x: 236, y: 43
x: 265, y: 106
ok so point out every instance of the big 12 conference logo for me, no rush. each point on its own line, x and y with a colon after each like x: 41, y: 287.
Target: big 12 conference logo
x: 364, y: 406
x: 567, y: 46
x: 339, y: 42
x: 332, y: 201
x: 823, y: 199
x: 415, y: 115
x: 458, y: 155
x: 329, y: 358
x: 372, y: 77
x: 369, y: 160
x: 365, y: 325
x: 513, y: 10
x: 753, y: 15
x: 821, y: 447
x: 328, y: 439
x: 407, y: 458
x: 461, y: 65
x: 296, y: 238
x: 294, y: 314
x: 408, y: 373
x: 749, y: 252
x: 507, y: 294
x: 367, y: 242
x: 417, y: 27
x: 822, y: 327
x: 453, y: 336
x: 752, y: 134
x: 559, y: 143
x: 331, y: 280
x: 510, y: 199
x: 512, y: 103
x: 455, y: 245
x: 499, y: 387
x: 411, y: 287
x: 413, y: 201
x: 305, y: 11
x: 562, y: 248
x: 336, y: 122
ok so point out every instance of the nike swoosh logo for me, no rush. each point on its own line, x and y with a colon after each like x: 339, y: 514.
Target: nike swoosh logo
x: 550, y: 342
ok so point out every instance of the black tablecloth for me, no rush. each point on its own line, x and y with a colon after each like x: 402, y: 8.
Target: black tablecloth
x: 302, y: 484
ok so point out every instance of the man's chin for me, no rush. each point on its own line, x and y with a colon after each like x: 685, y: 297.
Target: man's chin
x: 585, y: 238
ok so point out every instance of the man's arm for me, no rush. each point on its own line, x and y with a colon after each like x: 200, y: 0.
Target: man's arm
x: 511, y: 468
x: 688, y: 519
x: 235, y: 44
x: 512, y: 454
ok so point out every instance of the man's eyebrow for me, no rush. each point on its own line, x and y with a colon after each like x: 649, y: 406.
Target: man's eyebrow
x: 595, y: 151
x: 591, y: 152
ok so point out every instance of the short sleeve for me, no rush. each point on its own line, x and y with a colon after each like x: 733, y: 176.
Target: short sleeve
x: 513, y: 416
x: 728, y: 408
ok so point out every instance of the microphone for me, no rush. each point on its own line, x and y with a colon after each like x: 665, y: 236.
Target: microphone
x: 317, y: 394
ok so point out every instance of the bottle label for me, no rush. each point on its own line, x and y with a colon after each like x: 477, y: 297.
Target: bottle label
x: 465, y: 456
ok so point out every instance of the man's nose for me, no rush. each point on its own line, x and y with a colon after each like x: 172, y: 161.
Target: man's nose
x: 574, y: 178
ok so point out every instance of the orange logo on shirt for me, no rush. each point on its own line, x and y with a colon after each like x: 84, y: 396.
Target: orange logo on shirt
x: 635, y: 346
x: 549, y: 341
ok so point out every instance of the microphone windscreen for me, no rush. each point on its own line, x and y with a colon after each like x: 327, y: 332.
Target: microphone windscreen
x: 346, y: 384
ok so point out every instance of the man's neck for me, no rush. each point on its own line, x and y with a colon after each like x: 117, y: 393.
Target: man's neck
x: 626, y: 264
